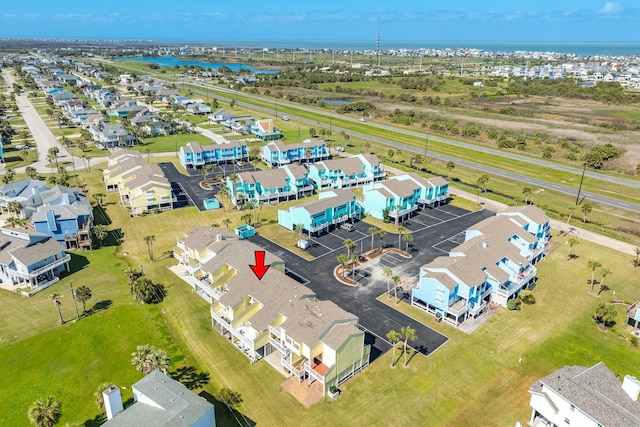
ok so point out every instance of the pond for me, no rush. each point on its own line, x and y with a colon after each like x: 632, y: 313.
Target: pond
x: 338, y: 101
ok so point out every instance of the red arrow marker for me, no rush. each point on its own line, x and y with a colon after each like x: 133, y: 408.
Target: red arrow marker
x: 259, y: 269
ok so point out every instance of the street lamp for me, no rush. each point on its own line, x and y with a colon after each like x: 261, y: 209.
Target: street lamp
x: 73, y: 295
x: 276, y: 108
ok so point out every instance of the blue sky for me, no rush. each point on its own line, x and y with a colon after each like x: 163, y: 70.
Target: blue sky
x: 472, y: 20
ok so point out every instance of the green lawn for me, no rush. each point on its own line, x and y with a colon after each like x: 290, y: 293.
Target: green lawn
x: 168, y: 143
x: 471, y: 371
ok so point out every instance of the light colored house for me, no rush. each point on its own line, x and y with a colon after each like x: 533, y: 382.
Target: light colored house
x: 495, y: 262
x: 66, y: 215
x: 433, y: 191
x: 585, y: 397
x: 204, y: 251
x: 266, y: 130
x: 332, y: 208
x: 159, y: 401
x: 142, y: 187
x: 30, y: 259
x: 633, y: 316
x: 198, y: 108
x: 277, y: 153
x: 195, y: 155
x: 532, y: 219
x: 400, y: 196
x: 26, y: 192
x: 347, y: 172
x: 274, y: 317
x: 270, y: 186
x: 111, y: 135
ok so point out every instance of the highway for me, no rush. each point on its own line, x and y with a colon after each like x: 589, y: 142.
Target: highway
x: 533, y: 182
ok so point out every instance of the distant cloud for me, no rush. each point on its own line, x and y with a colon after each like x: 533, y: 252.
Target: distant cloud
x: 610, y: 7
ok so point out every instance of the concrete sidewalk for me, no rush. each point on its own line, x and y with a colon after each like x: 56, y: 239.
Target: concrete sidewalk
x: 626, y: 248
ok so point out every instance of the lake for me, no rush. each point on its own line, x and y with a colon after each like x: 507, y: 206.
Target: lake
x: 171, y: 61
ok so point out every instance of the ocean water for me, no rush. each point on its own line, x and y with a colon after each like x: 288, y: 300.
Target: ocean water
x: 578, y: 48
x: 170, y: 61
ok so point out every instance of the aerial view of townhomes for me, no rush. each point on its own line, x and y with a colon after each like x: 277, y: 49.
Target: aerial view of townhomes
x: 295, y: 214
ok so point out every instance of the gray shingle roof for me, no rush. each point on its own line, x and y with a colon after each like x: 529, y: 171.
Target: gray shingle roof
x: 595, y: 391
x: 171, y: 404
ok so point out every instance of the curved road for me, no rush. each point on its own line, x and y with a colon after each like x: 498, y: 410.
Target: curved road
x: 537, y: 182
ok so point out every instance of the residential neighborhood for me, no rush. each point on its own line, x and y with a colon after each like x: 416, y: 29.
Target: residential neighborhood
x: 189, y: 246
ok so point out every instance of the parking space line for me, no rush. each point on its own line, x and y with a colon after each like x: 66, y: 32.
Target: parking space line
x: 449, y: 213
x: 324, y: 246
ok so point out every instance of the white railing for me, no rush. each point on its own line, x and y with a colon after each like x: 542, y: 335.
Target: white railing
x: 313, y: 373
x: 38, y: 271
x: 277, y: 345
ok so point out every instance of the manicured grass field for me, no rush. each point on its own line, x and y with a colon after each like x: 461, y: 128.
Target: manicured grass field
x: 470, y: 371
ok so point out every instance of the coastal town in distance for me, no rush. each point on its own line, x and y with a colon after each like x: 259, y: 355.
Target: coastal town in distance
x: 201, y: 229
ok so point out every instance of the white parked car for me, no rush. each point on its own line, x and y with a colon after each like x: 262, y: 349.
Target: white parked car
x: 285, y: 118
x: 362, y: 119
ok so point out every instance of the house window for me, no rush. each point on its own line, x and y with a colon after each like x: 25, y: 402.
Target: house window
x: 567, y: 421
x: 572, y: 408
x: 439, y: 300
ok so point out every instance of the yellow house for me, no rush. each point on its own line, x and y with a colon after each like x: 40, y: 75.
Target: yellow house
x: 273, y: 317
x: 142, y: 187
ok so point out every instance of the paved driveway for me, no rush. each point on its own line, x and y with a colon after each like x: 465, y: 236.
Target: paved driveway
x: 375, y: 317
x: 188, y: 187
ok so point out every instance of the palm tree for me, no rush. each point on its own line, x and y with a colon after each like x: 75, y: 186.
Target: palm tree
x: 8, y: 176
x: 144, y: 290
x: 350, y: 245
x: 45, y: 412
x: 55, y: 297
x: 372, y: 231
x: 605, y: 314
x: 636, y: 262
x: 149, y: 240
x: 586, y: 209
x: 401, y: 231
x: 572, y: 242
x: 482, y: 181
x: 396, y: 281
x: 408, y: 334
x: 226, y: 222
x: 381, y: 234
x: 398, y: 207
x: 300, y: 228
x: 15, y: 208
x: 343, y: 259
x: 571, y: 209
x: 605, y: 272
x: 100, y: 232
x: 31, y: 172
x: 394, y: 338
x: 53, y: 152
x: 354, y: 262
x: 148, y: 358
x: 98, y: 197
x: 527, y: 192
x: 388, y: 273
x: 82, y: 294
x: 450, y: 166
x: 408, y: 238
x: 593, y: 265
x: 12, y: 222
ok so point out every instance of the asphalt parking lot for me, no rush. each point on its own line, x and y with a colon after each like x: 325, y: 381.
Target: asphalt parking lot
x: 435, y: 230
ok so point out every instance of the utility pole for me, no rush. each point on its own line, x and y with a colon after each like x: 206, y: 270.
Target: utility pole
x: 276, y: 108
x: 425, y: 147
x: 581, y: 181
x: 73, y: 295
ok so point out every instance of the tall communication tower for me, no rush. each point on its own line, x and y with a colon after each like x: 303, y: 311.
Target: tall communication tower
x: 378, y: 42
